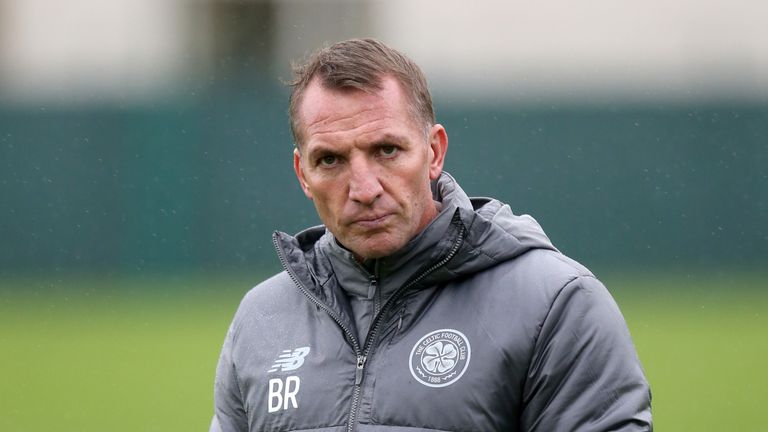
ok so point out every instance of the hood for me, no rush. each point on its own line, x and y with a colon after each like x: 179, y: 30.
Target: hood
x: 492, y: 232
x: 467, y: 236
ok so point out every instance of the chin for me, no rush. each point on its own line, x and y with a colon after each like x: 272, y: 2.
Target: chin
x: 379, y: 251
x: 370, y: 253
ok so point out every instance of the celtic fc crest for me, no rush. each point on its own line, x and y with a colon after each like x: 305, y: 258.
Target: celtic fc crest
x: 440, y: 358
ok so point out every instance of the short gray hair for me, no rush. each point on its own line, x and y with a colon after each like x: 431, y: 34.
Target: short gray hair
x: 360, y: 64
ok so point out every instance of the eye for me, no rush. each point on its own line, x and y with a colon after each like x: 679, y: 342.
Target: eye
x: 327, y: 160
x: 388, y: 151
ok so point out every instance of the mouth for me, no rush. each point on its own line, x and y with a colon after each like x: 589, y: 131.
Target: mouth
x: 371, y: 222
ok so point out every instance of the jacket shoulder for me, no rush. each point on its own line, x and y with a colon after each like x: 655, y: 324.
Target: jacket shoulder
x: 538, y: 273
x: 560, y: 322
x: 274, y: 285
x: 520, y: 293
x: 271, y: 297
x: 554, y: 263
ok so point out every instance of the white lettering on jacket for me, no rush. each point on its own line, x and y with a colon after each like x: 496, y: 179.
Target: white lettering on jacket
x: 279, y: 399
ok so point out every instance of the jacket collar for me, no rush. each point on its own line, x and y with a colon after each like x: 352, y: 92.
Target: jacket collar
x: 486, y: 229
x: 389, y: 273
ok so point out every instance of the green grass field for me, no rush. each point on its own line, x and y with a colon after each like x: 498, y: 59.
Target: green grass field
x: 103, y: 354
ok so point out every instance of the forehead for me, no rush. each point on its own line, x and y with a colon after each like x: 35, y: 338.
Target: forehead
x: 324, y: 111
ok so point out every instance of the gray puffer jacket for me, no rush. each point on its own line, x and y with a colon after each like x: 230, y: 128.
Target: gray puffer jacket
x: 478, y: 324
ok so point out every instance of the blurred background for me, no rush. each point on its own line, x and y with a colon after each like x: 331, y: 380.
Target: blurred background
x: 145, y: 159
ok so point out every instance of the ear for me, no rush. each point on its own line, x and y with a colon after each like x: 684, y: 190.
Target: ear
x: 438, y: 146
x: 297, y: 168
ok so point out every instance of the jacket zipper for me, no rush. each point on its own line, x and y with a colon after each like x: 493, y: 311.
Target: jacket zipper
x: 362, y: 355
x: 360, y: 366
x: 350, y: 335
x: 377, y: 320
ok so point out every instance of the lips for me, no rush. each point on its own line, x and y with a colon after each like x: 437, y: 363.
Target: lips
x: 372, y: 221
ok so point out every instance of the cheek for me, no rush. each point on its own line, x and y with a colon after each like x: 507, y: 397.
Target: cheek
x: 413, y: 205
x: 328, y: 206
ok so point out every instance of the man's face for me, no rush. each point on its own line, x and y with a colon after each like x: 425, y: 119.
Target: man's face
x: 366, y: 163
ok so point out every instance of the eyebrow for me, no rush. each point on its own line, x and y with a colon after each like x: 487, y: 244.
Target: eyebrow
x: 323, y: 149
x: 390, y: 139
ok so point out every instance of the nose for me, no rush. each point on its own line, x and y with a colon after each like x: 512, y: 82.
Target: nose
x: 364, y: 184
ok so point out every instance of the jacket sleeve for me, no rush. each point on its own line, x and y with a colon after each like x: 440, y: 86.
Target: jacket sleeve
x: 584, y: 374
x: 229, y: 413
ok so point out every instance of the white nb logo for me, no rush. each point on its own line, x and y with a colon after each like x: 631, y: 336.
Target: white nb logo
x: 290, y: 360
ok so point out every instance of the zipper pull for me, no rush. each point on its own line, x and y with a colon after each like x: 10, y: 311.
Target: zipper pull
x: 359, y: 371
x: 372, y: 288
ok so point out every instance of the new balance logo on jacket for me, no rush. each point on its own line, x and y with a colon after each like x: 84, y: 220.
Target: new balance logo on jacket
x: 283, y: 393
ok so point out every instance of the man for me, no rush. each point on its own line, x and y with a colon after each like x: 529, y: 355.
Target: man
x: 415, y: 308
